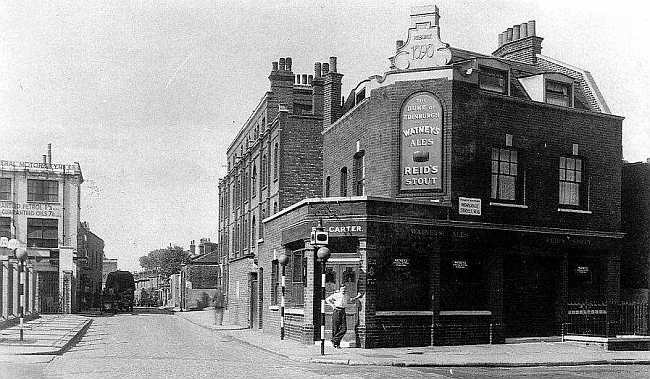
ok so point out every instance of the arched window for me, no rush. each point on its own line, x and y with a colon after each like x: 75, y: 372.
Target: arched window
x: 263, y: 168
x: 344, y: 182
x: 254, y: 181
x: 359, y: 169
x: 253, y: 230
x: 275, y: 162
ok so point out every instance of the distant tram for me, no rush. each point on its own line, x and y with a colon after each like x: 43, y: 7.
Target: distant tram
x: 119, y: 291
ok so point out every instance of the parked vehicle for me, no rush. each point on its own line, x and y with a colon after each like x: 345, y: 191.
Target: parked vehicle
x: 119, y: 291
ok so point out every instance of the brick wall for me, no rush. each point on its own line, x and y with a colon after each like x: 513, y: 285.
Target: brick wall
x: 541, y: 133
x: 635, y: 205
x: 375, y: 123
x: 239, y: 306
x: 301, y: 155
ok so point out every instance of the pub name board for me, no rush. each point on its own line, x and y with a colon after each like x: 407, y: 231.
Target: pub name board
x: 421, y: 143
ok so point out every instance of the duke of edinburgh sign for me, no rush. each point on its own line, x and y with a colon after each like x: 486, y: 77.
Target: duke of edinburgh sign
x: 423, y: 49
x: 421, y: 144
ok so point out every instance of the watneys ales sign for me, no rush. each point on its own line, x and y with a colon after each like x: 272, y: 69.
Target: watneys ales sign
x: 421, y: 144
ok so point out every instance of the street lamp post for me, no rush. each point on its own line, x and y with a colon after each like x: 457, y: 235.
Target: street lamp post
x: 283, y: 259
x: 21, y: 255
x: 323, y: 254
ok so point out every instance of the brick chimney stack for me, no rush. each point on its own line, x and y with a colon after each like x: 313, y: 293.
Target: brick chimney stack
x: 282, y: 79
x: 332, y: 93
x: 520, y: 43
x: 317, y: 93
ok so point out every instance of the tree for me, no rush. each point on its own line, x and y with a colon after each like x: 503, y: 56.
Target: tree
x: 165, y: 261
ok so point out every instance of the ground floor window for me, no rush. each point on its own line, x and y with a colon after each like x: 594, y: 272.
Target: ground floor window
x: 296, y: 278
x: 403, y: 281
x: 463, y: 281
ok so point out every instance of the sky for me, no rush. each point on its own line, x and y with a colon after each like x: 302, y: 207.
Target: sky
x: 147, y: 95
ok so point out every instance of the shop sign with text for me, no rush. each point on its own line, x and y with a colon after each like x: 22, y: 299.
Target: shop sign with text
x: 421, y: 144
x: 46, y: 210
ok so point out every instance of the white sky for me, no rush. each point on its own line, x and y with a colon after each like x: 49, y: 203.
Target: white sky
x: 147, y: 95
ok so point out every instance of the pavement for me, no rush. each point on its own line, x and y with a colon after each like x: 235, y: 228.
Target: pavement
x: 46, y: 335
x: 55, y: 334
x: 524, y: 353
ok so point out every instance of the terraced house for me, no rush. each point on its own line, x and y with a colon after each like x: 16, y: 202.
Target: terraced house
x: 471, y: 197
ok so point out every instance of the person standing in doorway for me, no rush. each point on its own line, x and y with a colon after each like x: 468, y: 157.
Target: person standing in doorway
x: 339, y: 300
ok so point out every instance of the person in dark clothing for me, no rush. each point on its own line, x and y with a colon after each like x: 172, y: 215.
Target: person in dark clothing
x: 219, y: 303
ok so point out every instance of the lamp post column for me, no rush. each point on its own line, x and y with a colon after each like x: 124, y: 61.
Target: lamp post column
x: 21, y: 255
x: 323, y: 254
x: 283, y: 259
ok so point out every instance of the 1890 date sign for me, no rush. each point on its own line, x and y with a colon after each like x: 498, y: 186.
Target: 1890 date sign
x: 421, y: 144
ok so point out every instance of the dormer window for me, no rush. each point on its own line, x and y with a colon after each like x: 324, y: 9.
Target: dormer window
x: 493, y: 80
x: 558, y: 93
x: 549, y: 87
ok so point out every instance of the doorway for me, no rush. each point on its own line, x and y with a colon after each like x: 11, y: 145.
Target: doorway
x: 255, y: 321
x: 529, y: 296
x: 337, y: 274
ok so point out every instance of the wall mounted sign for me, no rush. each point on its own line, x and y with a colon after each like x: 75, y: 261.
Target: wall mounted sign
x: 469, y: 206
x: 400, y: 262
x: 46, y: 210
x: 421, y: 143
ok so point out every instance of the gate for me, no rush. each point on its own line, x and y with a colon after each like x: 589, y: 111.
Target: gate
x: 48, y: 292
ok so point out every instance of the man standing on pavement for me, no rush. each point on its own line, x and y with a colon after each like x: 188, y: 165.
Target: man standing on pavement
x: 339, y: 300
x: 218, y: 302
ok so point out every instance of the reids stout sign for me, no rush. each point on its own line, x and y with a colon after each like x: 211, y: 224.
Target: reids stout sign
x: 421, y: 143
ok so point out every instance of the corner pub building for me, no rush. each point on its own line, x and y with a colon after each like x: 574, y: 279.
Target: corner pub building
x: 470, y: 197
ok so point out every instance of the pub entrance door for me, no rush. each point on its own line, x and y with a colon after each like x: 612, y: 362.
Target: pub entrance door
x: 337, y: 273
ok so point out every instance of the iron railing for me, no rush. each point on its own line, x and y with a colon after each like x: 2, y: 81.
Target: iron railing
x: 606, y: 319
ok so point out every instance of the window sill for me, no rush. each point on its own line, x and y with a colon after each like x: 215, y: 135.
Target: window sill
x: 294, y: 311
x: 567, y: 210
x: 404, y: 313
x: 508, y: 205
x: 465, y: 313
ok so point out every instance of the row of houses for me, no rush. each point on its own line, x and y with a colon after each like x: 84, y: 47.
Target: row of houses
x: 470, y: 197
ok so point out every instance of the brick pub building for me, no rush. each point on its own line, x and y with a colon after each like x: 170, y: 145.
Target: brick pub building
x: 470, y: 197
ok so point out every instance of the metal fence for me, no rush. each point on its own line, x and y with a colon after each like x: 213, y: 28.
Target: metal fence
x: 605, y: 320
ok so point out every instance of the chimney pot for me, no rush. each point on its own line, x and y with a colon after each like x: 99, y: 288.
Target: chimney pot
x: 288, y: 64
x: 282, y: 64
x: 44, y: 159
x: 326, y: 68
x: 508, y: 37
x: 49, y: 154
x: 515, y: 32
x: 332, y: 64
x: 296, y: 79
x: 317, y: 69
x: 531, y: 28
x: 304, y: 78
x: 275, y: 66
x: 523, y: 30
x: 310, y: 79
x: 500, y: 39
